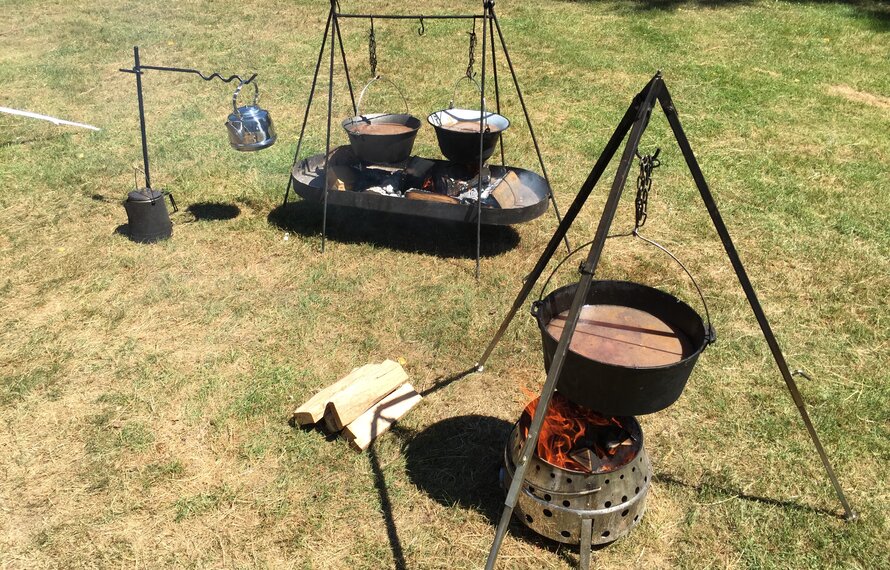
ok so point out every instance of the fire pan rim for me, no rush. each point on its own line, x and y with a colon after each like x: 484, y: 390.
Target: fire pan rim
x: 308, y: 182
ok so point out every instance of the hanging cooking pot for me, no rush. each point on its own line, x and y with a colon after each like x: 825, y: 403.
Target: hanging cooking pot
x: 633, y: 349
x: 250, y: 127
x: 382, y: 138
x: 458, y: 130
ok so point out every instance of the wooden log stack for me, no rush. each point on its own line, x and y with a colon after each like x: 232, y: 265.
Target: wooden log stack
x: 362, y: 405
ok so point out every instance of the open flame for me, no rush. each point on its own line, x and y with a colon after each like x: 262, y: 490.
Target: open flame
x: 578, y: 439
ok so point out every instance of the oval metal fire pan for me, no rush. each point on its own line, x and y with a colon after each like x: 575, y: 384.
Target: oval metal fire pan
x: 530, y: 199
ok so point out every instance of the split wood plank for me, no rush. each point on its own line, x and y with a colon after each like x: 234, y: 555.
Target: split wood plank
x: 312, y: 411
x: 361, y: 394
x: 376, y: 421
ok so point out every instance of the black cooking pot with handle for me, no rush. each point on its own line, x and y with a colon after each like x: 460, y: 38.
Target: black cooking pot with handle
x: 458, y: 130
x: 613, y: 389
x: 382, y: 138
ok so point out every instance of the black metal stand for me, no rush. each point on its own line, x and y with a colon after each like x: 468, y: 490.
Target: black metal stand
x: 489, y: 24
x: 138, y: 69
x: 635, y: 120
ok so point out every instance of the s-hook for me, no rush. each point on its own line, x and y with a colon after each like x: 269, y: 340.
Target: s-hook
x: 422, y: 29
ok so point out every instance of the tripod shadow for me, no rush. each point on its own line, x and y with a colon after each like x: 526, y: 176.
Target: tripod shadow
x: 702, y: 488
x: 441, y: 238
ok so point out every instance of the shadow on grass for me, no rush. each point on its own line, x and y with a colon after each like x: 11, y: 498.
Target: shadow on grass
x: 213, y: 211
x: 394, y: 231
x: 458, y: 461
x: 873, y: 13
x: 392, y: 532
x: 700, y: 488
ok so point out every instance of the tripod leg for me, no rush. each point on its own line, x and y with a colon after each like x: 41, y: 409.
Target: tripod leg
x: 345, y: 67
x: 324, y: 40
x: 671, y: 112
x: 528, y: 120
x: 481, y: 145
x: 327, y: 152
x: 580, y: 299
x: 586, y: 538
x: 572, y: 213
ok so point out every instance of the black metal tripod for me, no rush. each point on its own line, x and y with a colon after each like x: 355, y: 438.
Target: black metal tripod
x: 490, y: 25
x: 635, y: 120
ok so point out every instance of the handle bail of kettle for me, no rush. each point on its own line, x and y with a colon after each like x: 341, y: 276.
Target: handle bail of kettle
x: 256, y: 95
x: 457, y: 84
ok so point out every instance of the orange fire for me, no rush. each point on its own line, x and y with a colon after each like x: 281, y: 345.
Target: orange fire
x: 570, y: 428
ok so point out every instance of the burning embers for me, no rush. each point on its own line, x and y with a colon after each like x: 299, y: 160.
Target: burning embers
x: 586, y: 467
x: 578, y: 439
x: 421, y: 179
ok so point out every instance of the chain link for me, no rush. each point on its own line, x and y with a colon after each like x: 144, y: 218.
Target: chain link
x: 472, y: 58
x: 648, y: 163
x: 372, y: 50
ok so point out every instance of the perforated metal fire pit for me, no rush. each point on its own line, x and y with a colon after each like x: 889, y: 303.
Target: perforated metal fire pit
x: 554, y: 500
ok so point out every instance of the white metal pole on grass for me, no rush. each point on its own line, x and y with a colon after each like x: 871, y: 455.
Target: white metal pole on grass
x: 53, y: 120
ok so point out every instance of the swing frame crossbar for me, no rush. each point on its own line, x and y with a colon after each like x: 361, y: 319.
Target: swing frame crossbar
x: 490, y: 27
x: 635, y: 121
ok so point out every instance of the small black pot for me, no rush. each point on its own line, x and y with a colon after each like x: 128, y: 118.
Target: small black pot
x: 614, y: 390
x: 147, y: 216
x: 382, y: 148
x: 462, y: 146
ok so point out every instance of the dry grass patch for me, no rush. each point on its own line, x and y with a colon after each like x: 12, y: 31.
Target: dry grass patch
x: 145, y: 390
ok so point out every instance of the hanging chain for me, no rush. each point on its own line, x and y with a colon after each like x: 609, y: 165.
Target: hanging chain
x: 472, y: 58
x: 372, y: 50
x: 648, y: 163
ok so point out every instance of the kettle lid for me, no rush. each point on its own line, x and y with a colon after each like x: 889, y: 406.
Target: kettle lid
x: 144, y: 195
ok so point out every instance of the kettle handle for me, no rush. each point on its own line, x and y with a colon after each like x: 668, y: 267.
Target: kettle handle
x: 256, y: 96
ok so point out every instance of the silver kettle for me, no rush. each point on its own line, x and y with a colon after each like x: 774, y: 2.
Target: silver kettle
x: 250, y: 127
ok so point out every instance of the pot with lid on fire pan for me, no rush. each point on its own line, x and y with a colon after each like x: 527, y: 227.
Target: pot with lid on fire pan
x: 633, y: 349
x: 458, y: 130
x: 382, y: 138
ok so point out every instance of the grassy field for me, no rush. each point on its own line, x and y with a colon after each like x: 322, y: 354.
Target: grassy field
x: 146, y: 390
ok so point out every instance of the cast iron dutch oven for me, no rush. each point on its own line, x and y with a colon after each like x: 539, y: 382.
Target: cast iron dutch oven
x: 623, y: 390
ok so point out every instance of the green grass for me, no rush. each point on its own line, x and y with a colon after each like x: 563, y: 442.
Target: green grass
x: 145, y: 390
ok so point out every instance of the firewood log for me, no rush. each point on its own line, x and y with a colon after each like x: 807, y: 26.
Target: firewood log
x: 376, y: 421
x: 362, y: 393
x: 505, y: 193
x: 313, y: 410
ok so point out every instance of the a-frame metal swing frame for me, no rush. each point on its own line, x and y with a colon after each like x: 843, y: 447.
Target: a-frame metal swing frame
x: 490, y: 27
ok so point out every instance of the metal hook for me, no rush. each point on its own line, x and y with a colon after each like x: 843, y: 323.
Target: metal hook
x: 422, y: 29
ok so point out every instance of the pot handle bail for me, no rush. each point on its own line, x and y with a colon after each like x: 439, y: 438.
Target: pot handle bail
x: 378, y: 78
x: 710, y: 332
x: 256, y: 95
x: 457, y: 83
